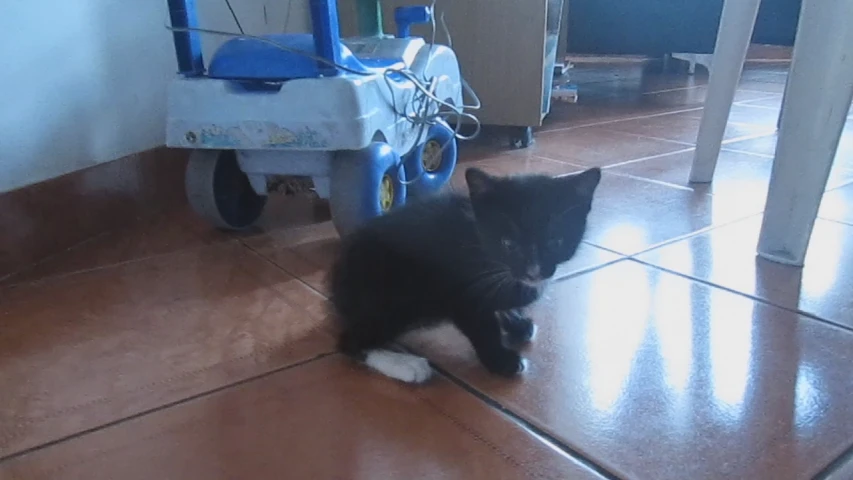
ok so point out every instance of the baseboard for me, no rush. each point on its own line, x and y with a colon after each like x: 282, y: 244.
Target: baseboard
x: 47, y: 218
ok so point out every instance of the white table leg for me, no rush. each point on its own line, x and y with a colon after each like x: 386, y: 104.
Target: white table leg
x: 693, y: 59
x: 733, y: 37
x: 784, y: 97
x: 817, y: 99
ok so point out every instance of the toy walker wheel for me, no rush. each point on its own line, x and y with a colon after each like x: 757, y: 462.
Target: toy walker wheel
x: 429, y: 166
x: 365, y: 184
x: 220, y: 192
x: 521, y: 137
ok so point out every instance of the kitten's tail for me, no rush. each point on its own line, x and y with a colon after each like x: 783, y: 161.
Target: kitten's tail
x: 400, y: 366
x: 397, y: 365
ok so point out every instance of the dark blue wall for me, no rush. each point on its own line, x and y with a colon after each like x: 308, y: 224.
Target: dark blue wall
x: 656, y: 27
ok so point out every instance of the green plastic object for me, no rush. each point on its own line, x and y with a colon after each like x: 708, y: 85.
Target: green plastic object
x: 369, y: 18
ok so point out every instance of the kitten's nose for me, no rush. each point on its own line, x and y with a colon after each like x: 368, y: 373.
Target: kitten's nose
x: 533, y: 272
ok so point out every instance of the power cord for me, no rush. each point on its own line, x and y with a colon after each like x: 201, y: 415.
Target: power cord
x: 234, y: 16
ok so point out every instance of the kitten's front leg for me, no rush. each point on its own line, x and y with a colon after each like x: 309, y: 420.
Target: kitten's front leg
x: 514, y: 295
x: 519, y: 328
x: 484, y: 332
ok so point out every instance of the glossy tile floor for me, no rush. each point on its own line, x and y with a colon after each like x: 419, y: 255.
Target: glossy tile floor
x: 666, y: 350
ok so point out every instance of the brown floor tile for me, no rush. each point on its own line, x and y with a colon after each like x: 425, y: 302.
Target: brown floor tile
x: 47, y: 218
x: 769, y: 52
x: 90, y: 348
x: 148, y: 238
x: 324, y: 420
x: 647, y: 373
x: 773, y: 102
x: 592, y: 70
x: 643, y: 76
x: 656, y: 82
x: 306, y: 253
x: 285, y: 212
x: 695, y: 96
x: 766, y: 145
x: 311, y: 262
x: 639, y: 94
x: 632, y: 96
x: 763, y: 85
x: 582, y: 114
x: 517, y: 163
x: 681, y: 127
x: 598, y: 146
x: 169, y: 233
x: 630, y: 215
x: 586, y: 258
x: 282, y: 213
x: 771, y: 73
x: 482, y: 148
x: 657, y: 377
x: 746, y: 114
x: 726, y: 256
x: 740, y: 176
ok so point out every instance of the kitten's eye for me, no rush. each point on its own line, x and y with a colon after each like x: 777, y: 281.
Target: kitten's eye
x: 508, y: 244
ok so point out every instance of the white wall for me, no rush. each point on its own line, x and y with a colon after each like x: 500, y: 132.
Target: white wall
x: 83, y: 82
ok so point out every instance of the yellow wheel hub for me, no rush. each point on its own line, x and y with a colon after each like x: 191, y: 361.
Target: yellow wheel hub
x: 386, y: 193
x: 431, y: 157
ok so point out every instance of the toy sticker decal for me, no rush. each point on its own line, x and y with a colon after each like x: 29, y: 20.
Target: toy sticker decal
x: 255, y: 134
x: 305, y: 138
x: 216, y: 136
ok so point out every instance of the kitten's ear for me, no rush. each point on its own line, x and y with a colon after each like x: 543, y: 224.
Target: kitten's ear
x: 586, y: 182
x: 479, y: 182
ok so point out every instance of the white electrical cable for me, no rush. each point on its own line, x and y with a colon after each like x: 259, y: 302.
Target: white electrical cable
x: 422, y: 84
x: 426, y: 88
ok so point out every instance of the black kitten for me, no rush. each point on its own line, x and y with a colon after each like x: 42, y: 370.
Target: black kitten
x: 471, y: 261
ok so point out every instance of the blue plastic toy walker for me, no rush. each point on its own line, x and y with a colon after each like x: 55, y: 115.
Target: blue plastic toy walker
x: 363, y: 117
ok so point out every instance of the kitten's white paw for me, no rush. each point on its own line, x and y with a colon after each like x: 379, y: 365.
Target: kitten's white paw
x: 401, y: 366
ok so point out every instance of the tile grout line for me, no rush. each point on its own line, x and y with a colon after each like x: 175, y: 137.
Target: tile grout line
x: 650, y: 137
x: 605, y: 126
x: 98, y: 268
x: 753, y: 298
x: 752, y: 90
x: 698, y: 232
x: 605, y: 122
x: 765, y: 96
x: 279, y: 267
x: 651, y: 180
x: 165, y: 406
x: 591, y: 268
x: 578, y: 163
x: 839, y: 469
x: 561, y: 162
x: 203, y: 243
x: 752, y: 105
x: 674, y: 89
x: 8, y: 280
x: 832, y: 220
x: 634, y: 257
x: 743, y: 138
x: 747, y: 152
x: 650, y: 157
x: 549, y: 439
x: 546, y: 437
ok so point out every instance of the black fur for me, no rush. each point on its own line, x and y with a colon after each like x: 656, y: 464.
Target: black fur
x: 472, y: 261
